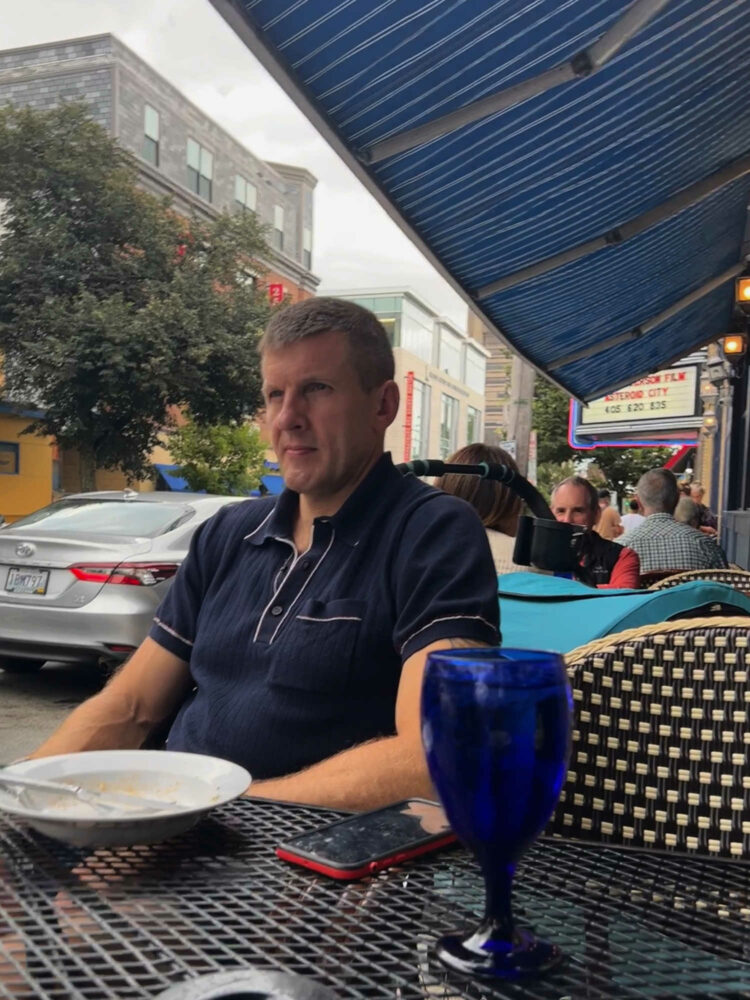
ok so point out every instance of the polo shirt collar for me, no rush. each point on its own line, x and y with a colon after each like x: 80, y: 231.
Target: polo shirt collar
x: 349, y: 521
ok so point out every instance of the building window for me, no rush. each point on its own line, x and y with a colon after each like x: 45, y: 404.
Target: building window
x: 417, y: 331
x: 420, y: 420
x: 307, y: 248
x: 278, y: 227
x: 448, y: 424
x: 8, y: 458
x: 245, y: 193
x: 450, y: 353
x: 473, y: 425
x: 200, y: 169
x: 151, y: 135
x: 476, y: 370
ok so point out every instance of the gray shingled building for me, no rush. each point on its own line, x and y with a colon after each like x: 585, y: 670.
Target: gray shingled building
x: 179, y: 150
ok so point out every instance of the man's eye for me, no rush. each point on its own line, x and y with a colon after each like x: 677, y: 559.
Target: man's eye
x: 273, y: 394
x: 315, y: 386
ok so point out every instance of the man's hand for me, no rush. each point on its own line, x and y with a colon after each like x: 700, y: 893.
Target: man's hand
x: 146, y: 690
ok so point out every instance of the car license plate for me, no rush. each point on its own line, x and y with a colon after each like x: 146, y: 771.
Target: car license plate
x: 27, y: 581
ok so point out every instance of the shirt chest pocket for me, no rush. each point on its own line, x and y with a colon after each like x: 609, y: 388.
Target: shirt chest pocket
x: 317, y: 653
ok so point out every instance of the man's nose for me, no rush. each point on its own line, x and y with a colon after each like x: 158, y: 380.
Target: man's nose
x: 289, y: 415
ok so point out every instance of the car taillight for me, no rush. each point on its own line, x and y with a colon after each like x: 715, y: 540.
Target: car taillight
x: 132, y: 574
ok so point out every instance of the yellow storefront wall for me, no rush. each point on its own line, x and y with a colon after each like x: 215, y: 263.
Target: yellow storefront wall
x: 32, y: 487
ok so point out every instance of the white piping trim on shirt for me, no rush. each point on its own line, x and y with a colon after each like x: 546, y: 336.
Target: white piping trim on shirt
x: 335, y: 618
x: 447, y: 618
x: 273, y: 596
x: 299, y: 593
x: 171, y: 631
x: 256, y: 530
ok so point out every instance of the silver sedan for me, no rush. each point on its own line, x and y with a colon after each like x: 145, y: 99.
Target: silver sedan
x: 80, y: 580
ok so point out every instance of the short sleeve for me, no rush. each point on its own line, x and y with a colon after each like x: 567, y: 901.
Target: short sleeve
x: 625, y: 573
x: 444, y: 579
x: 174, y: 624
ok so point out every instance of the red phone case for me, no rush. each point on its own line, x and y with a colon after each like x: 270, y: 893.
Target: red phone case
x: 372, y: 866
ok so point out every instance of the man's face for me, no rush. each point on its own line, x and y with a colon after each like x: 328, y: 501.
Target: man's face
x: 325, y: 429
x: 570, y: 504
x: 696, y: 493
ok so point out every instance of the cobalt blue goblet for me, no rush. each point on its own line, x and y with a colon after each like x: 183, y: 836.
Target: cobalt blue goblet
x: 496, y: 727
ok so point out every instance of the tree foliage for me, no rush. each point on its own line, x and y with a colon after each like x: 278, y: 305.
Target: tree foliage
x: 226, y: 458
x: 619, y: 467
x: 114, y: 309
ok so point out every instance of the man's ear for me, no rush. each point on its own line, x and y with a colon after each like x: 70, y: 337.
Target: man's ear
x: 597, y: 516
x: 388, y: 401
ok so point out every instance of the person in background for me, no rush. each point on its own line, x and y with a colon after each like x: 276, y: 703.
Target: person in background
x: 663, y: 543
x: 633, y: 516
x: 608, y: 525
x: 498, y: 507
x: 606, y: 564
x: 707, y: 522
x: 686, y: 512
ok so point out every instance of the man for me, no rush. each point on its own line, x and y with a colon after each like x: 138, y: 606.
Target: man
x: 663, y: 543
x: 605, y: 563
x: 707, y: 522
x: 294, y: 637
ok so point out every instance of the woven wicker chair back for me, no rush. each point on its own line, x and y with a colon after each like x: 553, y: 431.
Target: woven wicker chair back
x: 661, y: 743
x: 737, y: 578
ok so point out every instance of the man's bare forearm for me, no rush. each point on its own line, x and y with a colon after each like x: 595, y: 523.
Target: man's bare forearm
x: 101, y: 723
x: 364, y: 777
x: 146, y: 690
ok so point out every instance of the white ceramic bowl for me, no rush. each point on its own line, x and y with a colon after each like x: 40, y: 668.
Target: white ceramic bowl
x: 195, y: 782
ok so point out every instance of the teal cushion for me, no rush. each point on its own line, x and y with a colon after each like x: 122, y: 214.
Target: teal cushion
x: 548, y: 612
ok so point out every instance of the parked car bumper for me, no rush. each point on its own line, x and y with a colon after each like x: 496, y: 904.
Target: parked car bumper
x: 79, y: 635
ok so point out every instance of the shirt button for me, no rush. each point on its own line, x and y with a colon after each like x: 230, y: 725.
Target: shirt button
x: 276, y: 609
x: 305, y: 564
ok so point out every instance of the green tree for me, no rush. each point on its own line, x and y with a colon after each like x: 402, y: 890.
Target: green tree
x: 113, y: 309
x: 225, y: 458
x: 617, y: 465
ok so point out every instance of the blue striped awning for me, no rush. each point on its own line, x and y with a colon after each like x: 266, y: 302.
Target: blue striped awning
x: 587, y: 191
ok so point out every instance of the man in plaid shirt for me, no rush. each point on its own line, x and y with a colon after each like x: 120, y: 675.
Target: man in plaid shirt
x: 663, y: 543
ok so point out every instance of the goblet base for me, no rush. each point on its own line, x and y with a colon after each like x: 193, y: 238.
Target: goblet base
x: 480, y: 956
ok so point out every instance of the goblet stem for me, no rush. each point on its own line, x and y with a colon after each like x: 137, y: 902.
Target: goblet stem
x: 497, y: 924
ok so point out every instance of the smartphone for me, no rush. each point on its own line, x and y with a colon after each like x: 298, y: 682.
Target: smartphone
x: 360, y: 845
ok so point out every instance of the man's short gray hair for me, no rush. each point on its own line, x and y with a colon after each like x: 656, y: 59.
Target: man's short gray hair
x: 658, y: 491
x: 687, y: 512
x: 370, y: 350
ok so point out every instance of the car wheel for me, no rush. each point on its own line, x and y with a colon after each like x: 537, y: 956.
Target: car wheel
x: 19, y: 665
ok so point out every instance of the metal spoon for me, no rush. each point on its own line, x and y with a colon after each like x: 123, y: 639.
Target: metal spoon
x: 108, y: 801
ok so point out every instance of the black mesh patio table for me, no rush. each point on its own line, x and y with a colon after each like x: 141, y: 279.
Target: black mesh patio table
x: 131, y: 922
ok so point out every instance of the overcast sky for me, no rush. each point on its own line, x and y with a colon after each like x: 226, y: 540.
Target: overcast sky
x: 355, y: 243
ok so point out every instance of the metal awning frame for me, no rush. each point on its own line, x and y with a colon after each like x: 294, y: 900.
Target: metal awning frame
x: 645, y: 328
x: 636, y: 17
x: 273, y: 62
x: 684, y: 199
x: 584, y: 63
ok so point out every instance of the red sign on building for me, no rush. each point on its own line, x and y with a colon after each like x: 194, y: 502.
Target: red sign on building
x: 408, y: 415
x: 276, y: 293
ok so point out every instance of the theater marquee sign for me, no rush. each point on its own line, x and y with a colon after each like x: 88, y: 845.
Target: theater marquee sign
x: 661, y: 396
x: 661, y: 408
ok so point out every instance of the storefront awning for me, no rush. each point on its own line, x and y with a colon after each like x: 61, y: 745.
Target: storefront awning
x: 579, y: 170
x: 171, y: 481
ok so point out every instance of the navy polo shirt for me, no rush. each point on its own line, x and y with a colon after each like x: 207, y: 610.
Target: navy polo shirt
x: 297, y: 656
